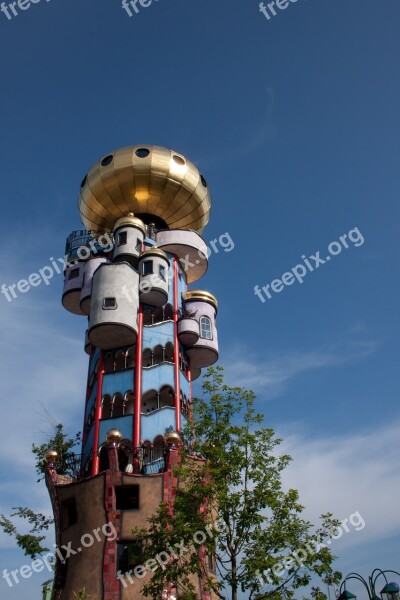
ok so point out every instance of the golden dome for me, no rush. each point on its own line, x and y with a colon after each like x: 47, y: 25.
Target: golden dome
x: 201, y: 296
x: 154, y: 251
x: 156, y: 184
x: 113, y: 436
x: 132, y: 221
x: 172, y: 437
x: 51, y: 456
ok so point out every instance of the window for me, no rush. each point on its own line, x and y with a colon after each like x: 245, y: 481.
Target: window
x: 161, y: 270
x: 142, y: 152
x: 127, y: 497
x: 147, y: 267
x: 122, y: 238
x: 178, y: 159
x: 138, y: 246
x: 109, y: 303
x: 106, y: 160
x: 129, y: 555
x: 74, y: 273
x: 205, y: 328
x: 107, y: 407
x: 68, y: 513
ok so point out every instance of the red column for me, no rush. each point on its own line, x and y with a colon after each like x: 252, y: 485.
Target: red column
x: 138, y: 382
x: 84, y: 435
x: 97, y: 415
x: 176, y: 351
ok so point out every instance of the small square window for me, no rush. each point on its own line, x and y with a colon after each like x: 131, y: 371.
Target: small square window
x: 161, y: 270
x: 74, y: 273
x: 127, y: 497
x: 109, y: 303
x: 129, y: 555
x: 147, y: 267
x: 122, y: 238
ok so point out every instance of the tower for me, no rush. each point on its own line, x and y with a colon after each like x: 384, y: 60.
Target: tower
x: 148, y: 337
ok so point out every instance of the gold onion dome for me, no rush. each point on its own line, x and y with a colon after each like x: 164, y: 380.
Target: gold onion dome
x: 51, y: 456
x: 201, y: 295
x: 153, y: 251
x: 158, y: 185
x: 113, y: 436
x: 130, y: 221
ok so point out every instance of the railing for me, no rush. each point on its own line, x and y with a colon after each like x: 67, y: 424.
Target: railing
x: 152, y: 460
x: 82, y: 238
x: 69, y: 466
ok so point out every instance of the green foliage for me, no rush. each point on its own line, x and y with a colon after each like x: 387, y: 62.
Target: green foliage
x: 31, y: 542
x: 237, y: 487
x: 68, y: 461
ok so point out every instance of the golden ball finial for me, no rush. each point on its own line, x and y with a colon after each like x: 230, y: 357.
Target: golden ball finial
x: 113, y: 436
x: 51, y: 456
x: 172, y: 437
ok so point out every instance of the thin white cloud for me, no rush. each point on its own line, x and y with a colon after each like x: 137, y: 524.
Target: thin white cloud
x: 40, y: 368
x: 273, y: 372
x: 344, y: 474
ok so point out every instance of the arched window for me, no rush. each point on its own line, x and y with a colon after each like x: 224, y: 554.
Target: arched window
x: 128, y: 403
x: 117, y: 404
x: 159, y: 354
x: 169, y: 352
x: 124, y: 454
x: 150, y: 402
x: 107, y: 407
x: 130, y: 357
x: 168, y: 312
x: 148, y: 316
x: 120, y: 360
x: 167, y: 396
x: 148, y: 357
x: 205, y: 328
x: 158, y: 315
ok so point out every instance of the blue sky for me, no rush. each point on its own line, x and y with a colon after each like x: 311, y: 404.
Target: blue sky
x: 294, y: 123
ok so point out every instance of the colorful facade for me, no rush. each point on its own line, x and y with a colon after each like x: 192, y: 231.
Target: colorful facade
x: 130, y: 273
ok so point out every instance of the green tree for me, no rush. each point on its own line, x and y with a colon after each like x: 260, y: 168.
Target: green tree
x: 235, y: 495
x: 68, y: 462
x: 31, y: 542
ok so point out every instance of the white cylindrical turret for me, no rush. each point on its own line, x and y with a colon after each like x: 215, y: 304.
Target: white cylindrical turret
x: 129, y: 233
x: 153, y: 269
x: 203, y: 307
x: 73, y: 283
x: 86, y: 292
x: 114, y: 307
x: 188, y: 331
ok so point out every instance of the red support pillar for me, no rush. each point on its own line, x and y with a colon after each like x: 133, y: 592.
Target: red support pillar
x: 84, y: 434
x: 97, y: 415
x: 176, y: 350
x: 138, y: 382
